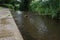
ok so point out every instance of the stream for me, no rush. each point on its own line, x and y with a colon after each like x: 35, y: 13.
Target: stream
x: 35, y: 27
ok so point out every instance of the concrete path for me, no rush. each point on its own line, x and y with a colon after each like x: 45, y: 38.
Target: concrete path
x: 8, y: 28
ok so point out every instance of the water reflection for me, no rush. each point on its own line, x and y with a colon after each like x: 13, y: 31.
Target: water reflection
x: 36, y: 27
x: 39, y: 24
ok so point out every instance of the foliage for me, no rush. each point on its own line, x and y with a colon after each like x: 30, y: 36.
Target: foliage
x: 6, y: 1
x: 12, y: 4
x: 50, y: 7
x: 7, y: 6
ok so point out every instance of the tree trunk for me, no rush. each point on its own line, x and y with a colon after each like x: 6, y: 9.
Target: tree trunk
x: 24, y: 6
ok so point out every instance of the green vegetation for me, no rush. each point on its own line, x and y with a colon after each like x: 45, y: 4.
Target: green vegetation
x: 46, y: 7
x: 42, y: 7
x: 12, y: 4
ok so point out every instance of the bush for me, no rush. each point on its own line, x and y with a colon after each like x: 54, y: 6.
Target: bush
x: 51, y: 7
x: 11, y: 4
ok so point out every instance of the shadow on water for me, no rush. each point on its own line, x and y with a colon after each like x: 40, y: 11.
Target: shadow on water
x: 35, y: 27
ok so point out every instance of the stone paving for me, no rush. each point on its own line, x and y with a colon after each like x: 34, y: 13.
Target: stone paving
x: 8, y: 28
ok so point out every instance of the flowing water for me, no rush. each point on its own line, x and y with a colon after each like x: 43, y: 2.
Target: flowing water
x: 35, y: 27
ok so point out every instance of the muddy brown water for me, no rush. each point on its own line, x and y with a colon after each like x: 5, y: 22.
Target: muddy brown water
x: 35, y: 27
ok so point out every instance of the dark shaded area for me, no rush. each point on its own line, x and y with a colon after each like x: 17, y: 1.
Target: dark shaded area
x: 35, y: 27
x: 24, y: 6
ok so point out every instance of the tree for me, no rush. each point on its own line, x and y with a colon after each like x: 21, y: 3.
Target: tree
x: 6, y: 1
x: 49, y: 7
x: 24, y: 6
